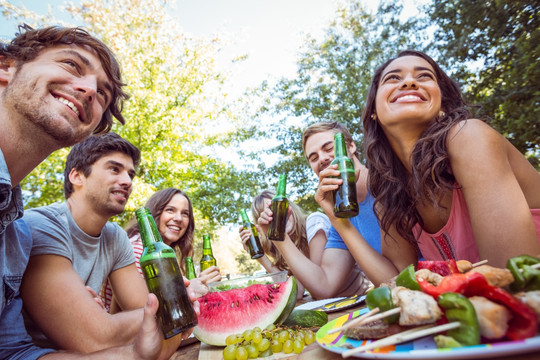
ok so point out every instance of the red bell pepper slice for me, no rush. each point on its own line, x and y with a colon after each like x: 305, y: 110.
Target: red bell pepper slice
x: 456, y: 283
x: 441, y: 267
x: 524, y: 322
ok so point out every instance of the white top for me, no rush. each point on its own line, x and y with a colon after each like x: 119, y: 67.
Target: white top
x: 315, y: 222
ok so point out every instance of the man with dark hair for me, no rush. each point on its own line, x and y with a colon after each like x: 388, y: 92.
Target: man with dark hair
x: 75, y: 246
x: 57, y: 86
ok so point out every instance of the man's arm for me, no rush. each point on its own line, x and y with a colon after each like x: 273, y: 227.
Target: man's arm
x: 147, y: 345
x: 322, y: 281
x: 130, y: 291
x: 55, y: 297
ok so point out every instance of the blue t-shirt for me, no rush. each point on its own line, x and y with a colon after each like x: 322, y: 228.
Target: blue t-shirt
x: 15, y: 245
x: 365, y: 222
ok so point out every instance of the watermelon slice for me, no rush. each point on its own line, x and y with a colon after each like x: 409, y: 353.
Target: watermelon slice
x: 233, y: 311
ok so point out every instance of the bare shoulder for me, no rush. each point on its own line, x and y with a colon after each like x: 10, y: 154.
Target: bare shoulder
x: 473, y: 139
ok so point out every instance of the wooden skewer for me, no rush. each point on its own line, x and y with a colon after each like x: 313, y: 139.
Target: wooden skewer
x: 356, y: 321
x: 479, y: 263
x: 403, y: 337
x: 535, y: 266
x: 362, y: 320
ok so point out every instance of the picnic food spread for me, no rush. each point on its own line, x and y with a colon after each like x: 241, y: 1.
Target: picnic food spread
x: 439, y: 293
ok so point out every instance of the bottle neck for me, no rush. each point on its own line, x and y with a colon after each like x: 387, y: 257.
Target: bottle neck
x: 340, y: 147
x: 245, y: 218
x: 148, y: 229
x: 282, y: 185
x: 207, y: 247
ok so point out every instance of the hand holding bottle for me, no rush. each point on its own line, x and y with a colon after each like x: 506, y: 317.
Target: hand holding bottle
x: 210, y: 274
x: 328, y: 183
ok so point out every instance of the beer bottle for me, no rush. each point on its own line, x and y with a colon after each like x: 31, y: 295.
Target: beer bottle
x: 345, y: 201
x: 190, y: 269
x: 208, y: 258
x: 280, y: 208
x: 164, y: 278
x: 254, y: 244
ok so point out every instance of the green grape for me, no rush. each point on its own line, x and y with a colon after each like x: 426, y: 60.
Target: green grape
x: 283, y: 336
x: 252, y: 351
x: 298, y: 346
x: 275, y: 336
x: 299, y: 335
x: 248, y: 334
x: 229, y: 353
x: 241, y: 353
x: 230, y: 340
x: 276, y: 346
x: 264, y: 344
x: 288, y: 347
x: 309, y: 337
x: 270, y: 327
x: 256, y: 337
x: 256, y: 328
x: 266, y: 353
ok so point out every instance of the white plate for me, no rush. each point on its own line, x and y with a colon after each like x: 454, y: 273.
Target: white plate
x: 423, y: 348
x: 318, y: 303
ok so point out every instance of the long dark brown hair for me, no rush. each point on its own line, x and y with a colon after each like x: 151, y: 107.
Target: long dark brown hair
x: 398, y: 192
x: 157, y: 203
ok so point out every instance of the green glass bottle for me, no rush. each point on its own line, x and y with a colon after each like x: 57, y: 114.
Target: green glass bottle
x: 254, y: 244
x: 164, y: 278
x: 208, y: 258
x: 345, y: 201
x: 190, y: 268
x: 280, y: 208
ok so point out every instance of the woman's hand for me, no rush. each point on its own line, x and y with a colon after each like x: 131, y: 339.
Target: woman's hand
x: 210, y: 275
x: 245, y: 235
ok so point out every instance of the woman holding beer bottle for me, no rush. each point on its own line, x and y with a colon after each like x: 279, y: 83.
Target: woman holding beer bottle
x: 173, y: 214
x: 273, y: 261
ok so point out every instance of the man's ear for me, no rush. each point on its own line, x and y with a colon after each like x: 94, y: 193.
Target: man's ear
x: 7, y: 69
x: 76, y: 177
x: 352, y: 147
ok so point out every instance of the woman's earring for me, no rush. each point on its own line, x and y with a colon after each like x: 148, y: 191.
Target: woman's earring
x: 442, y: 114
x: 373, y: 116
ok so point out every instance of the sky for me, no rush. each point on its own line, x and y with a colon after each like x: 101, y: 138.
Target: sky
x: 269, y: 32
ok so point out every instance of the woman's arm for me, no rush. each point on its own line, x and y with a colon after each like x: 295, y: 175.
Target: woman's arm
x: 396, y: 255
x: 499, y: 211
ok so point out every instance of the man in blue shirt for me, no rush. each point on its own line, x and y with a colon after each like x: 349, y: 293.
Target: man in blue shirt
x: 57, y: 87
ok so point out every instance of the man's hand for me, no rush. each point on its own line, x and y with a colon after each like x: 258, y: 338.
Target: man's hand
x: 96, y: 297
x: 327, y: 183
x: 149, y: 340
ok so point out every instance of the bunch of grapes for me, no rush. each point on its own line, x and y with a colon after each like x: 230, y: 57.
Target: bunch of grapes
x: 255, y: 343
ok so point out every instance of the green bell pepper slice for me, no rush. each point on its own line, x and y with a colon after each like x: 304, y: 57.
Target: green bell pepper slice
x: 459, y: 308
x: 526, y: 278
x: 407, y: 278
x: 381, y: 297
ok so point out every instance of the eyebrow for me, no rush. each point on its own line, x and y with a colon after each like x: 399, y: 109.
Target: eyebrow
x: 112, y: 162
x: 87, y: 63
x: 416, y: 68
x: 322, y: 147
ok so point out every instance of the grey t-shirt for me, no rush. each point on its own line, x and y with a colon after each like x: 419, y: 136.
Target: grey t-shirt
x: 55, y: 232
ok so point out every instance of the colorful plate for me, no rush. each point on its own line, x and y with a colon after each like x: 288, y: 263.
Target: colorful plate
x: 423, y: 348
x: 341, y: 303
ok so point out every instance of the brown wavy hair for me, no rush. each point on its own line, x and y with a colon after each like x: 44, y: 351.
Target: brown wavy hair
x: 298, y: 234
x: 398, y: 192
x: 157, y: 203
x: 29, y: 42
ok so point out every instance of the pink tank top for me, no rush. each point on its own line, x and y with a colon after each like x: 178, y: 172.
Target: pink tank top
x: 456, y: 240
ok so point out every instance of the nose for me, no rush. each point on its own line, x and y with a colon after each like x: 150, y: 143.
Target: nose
x: 177, y: 216
x: 125, y: 180
x: 87, y: 86
x: 409, y: 81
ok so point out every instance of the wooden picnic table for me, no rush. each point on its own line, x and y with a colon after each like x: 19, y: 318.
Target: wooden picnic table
x: 198, y: 351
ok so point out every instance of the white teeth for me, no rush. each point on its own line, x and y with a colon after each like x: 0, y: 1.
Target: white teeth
x: 409, y: 98
x: 70, y: 104
x: 174, y: 228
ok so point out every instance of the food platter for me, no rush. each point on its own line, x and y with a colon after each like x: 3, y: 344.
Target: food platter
x: 423, y: 348
x: 332, y: 305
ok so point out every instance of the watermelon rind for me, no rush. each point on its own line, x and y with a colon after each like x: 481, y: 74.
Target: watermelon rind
x: 234, y: 311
